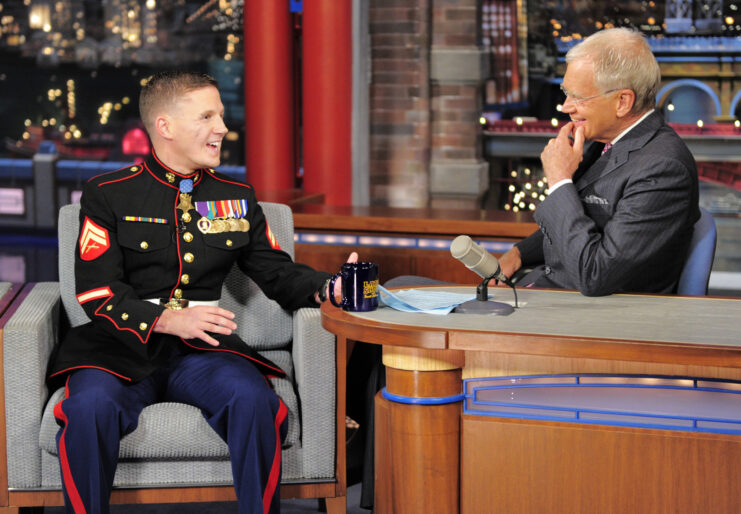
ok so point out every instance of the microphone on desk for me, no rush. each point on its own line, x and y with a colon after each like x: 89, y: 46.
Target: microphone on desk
x: 477, y: 259
x: 484, y: 264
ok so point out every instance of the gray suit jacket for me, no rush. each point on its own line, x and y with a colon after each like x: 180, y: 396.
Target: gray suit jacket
x: 625, y: 223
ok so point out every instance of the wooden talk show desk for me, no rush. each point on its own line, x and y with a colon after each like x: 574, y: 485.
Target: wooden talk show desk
x: 434, y: 458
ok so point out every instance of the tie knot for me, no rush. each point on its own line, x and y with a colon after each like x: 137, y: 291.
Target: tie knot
x: 607, y: 147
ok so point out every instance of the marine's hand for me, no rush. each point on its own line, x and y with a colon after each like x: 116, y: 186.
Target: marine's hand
x: 510, y: 262
x: 561, y: 157
x: 338, y: 283
x: 195, y: 322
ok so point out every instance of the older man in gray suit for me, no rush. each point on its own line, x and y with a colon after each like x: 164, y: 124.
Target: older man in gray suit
x: 621, y: 209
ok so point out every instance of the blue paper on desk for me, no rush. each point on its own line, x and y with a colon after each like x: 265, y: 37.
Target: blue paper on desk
x: 423, y: 300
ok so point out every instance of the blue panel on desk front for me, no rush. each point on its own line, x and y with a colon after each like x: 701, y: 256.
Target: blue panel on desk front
x: 699, y: 405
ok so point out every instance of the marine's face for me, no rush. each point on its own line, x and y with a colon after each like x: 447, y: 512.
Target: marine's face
x: 589, y: 107
x: 197, y: 127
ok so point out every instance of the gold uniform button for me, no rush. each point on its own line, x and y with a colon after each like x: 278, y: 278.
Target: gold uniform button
x: 229, y: 242
x: 187, y: 217
x: 143, y: 326
x: 188, y: 237
x: 188, y: 257
x: 125, y: 316
x: 185, y: 278
x: 178, y: 293
x: 134, y: 168
x: 144, y: 245
x: 109, y: 308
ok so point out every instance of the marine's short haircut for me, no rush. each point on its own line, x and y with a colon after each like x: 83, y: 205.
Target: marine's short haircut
x: 167, y: 87
x: 622, y: 59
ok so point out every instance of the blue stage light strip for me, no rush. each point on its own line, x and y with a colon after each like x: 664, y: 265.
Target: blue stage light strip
x: 685, y: 58
x: 237, y: 172
x: 70, y: 171
x: 16, y: 169
x: 416, y: 400
x: 416, y: 243
x: 388, y: 241
x: 24, y: 241
x: 85, y: 170
x: 325, y: 239
x: 697, y: 58
x: 677, y: 44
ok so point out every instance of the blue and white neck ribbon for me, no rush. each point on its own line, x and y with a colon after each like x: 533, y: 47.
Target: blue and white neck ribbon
x: 186, y: 185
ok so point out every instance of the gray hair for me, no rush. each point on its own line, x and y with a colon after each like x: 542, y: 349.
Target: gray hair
x: 622, y: 59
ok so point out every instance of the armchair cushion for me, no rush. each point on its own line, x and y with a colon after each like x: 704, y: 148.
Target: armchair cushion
x: 175, y: 430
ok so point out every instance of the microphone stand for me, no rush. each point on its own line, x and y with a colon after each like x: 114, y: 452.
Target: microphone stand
x: 482, y: 305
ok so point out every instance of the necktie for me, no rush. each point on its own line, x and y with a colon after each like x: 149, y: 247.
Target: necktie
x: 607, y: 147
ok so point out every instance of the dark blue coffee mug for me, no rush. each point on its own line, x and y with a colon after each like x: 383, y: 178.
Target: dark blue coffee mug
x: 359, y: 287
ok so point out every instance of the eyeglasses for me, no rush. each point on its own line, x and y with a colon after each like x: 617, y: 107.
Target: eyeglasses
x: 577, y: 100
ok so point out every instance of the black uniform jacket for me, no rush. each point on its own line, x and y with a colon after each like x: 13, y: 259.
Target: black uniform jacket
x: 137, y: 243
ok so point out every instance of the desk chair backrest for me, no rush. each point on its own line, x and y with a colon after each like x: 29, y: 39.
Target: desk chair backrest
x: 695, y: 275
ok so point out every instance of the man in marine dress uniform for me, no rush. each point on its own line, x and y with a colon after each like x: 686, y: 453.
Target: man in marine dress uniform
x: 156, y: 241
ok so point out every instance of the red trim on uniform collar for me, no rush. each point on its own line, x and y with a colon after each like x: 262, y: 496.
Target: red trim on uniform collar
x: 158, y: 179
x: 159, y: 171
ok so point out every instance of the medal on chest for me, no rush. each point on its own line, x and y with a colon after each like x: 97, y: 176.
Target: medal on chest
x: 219, y: 216
x: 185, y: 202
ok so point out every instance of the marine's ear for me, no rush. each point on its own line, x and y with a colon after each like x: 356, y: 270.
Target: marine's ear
x: 163, y: 127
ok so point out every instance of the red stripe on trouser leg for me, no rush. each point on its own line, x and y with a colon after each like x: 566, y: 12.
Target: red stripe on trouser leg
x: 69, y: 483
x: 274, y: 476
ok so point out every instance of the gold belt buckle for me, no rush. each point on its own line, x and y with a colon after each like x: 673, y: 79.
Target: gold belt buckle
x: 174, y: 304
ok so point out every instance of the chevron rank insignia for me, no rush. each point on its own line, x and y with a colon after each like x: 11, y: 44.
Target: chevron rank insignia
x: 93, y: 240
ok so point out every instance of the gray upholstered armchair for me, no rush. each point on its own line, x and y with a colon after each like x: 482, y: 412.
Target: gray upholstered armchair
x: 174, y: 455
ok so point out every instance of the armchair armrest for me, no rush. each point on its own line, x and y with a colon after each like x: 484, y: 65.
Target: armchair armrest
x: 28, y: 339
x: 314, y: 366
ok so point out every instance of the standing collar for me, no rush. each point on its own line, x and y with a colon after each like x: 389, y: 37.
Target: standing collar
x: 162, y: 173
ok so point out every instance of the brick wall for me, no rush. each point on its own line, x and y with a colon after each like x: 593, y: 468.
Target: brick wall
x: 425, y: 103
x: 455, y: 128
x: 455, y: 23
x: 399, y: 102
x: 455, y: 108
